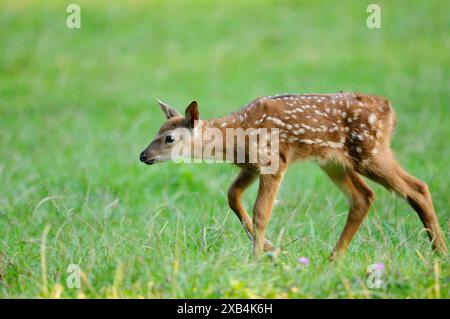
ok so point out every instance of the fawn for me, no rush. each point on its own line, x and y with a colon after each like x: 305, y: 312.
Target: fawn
x: 347, y: 134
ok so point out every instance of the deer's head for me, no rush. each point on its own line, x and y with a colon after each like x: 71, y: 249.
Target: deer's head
x: 171, y: 133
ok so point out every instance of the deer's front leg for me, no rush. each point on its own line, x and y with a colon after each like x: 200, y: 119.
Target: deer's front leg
x: 268, y: 189
x: 240, y: 184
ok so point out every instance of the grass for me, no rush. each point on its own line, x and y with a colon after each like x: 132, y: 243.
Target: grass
x: 77, y: 107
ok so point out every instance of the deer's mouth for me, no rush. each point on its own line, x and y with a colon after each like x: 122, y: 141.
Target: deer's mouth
x: 151, y: 161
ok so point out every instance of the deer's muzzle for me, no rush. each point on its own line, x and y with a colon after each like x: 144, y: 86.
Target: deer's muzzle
x: 144, y: 158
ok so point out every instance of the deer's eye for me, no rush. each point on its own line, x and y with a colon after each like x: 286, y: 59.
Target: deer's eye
x: 169, y: 139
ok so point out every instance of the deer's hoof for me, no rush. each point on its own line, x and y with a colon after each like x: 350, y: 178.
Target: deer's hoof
x: 268, y: 246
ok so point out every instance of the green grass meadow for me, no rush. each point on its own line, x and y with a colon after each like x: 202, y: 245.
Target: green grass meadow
x: 77, y: 106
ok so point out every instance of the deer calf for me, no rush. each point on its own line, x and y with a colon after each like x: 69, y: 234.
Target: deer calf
x: 347, y: 134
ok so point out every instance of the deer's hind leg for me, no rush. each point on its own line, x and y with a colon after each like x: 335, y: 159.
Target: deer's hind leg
x: 360, y: 198
x: 385, y: 170
x: 237, y: 188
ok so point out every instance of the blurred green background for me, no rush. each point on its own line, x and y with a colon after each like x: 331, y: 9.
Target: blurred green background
x: 78, y: 105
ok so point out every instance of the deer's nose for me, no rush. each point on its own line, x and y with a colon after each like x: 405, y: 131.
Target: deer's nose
x: 143, y: 156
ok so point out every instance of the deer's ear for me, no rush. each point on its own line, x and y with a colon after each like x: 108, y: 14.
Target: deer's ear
x: 192, y: 114
x: 168, y: 111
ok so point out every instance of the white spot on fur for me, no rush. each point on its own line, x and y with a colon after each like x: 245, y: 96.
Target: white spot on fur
x: 372, y: 119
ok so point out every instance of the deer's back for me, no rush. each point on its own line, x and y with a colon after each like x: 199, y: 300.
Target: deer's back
x: 354, y: 125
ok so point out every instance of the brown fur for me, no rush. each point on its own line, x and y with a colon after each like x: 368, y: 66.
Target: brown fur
x: 348, y: 134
